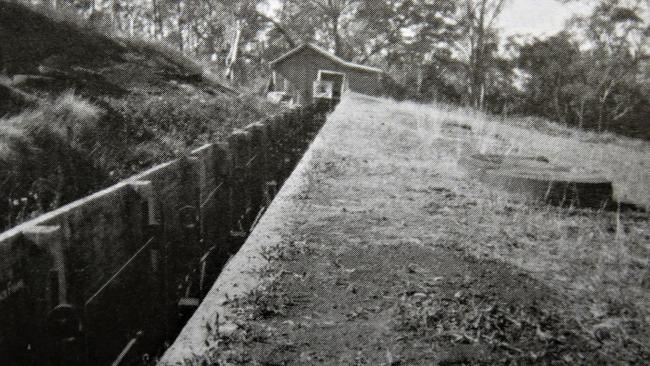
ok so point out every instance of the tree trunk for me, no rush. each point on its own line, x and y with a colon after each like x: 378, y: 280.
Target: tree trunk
x: 556, y: 104
x: 601, y: 107
x: 581, y: 115
x: 157, y: 20
x: 336, y: 36
x: 478, y: 75
x: 132, y: 25
x: 179, y: 26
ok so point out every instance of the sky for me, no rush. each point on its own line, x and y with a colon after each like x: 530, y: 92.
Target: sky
x: 538, y: 17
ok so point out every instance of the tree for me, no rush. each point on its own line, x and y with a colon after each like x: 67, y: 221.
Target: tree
x: 400, y: 30
x: 617, y: 36
x: 591, y: 75
x: 549, y: 65
x: 478, y: 42
x: 324, y: 21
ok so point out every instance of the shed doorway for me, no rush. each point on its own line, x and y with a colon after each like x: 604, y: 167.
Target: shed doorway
x: 337, y: 79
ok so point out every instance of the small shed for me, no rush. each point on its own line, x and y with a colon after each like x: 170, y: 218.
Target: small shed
x: 309, y: 72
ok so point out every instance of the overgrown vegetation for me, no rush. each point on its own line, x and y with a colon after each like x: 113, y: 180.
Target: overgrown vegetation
x: 81, y: 110
x: 599, y: 257
x: 599, y: 81
x: 47, y: 157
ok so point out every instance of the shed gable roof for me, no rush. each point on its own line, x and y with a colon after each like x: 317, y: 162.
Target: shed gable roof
x: 327, y: 55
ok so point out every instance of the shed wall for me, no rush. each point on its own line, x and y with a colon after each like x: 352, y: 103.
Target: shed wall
x: 302, y: 69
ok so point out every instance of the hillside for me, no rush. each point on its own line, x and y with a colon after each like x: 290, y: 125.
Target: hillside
x: 82, y: 108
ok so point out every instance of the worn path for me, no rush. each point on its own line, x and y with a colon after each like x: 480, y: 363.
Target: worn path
x: 380, y: 250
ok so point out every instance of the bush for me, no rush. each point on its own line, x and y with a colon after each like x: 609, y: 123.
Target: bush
x: 47, y: 158
x: 69, y: 147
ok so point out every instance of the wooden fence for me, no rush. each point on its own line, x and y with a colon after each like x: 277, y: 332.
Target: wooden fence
x: 117, y: 273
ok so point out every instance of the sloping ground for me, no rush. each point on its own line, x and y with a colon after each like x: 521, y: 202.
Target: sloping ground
x: 381, y: 250
x: 80, y: 110
x: 44, y: 50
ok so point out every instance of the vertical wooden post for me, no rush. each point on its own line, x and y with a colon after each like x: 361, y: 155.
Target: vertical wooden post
x: 145, y: 190
x: 277, y: 147
x: 152, y: 266
x: 151, y: 226
x: 214, y: 208
x: 220, y: 197
x: 297, y: 134
x: 257, y: 168
x: 50, y: 238
x: 271, y: 169
x: 305, y: 130
x: 189, y: 215
x: 63, y: 337
x: 240, y: 155
x: 286, y: 131
x: 206, y: 184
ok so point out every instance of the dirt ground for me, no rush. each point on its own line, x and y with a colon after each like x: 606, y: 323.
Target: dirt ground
x: 396, y: 257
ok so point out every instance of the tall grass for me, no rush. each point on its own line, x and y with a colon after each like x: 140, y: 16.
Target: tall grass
x: 599, y: 259
x: 163, y: 50
x: 46, y: 157
x: 67, y: 147
x: 623, y: 160
x: 64, y: 146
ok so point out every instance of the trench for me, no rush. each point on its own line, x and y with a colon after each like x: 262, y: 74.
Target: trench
x: 140, y: 257
x: 249, y: 197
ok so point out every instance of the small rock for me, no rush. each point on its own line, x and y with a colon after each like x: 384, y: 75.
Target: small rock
x: 603, y: 331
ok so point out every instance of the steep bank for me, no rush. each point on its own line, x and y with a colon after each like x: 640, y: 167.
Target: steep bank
x: 84, y: 109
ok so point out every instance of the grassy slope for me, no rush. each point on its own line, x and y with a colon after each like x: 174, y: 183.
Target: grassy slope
x: 87, y: 109
x: 397, y: 256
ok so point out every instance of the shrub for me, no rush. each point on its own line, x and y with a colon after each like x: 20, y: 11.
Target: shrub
x: 45, y: 161
x: 64, y: 149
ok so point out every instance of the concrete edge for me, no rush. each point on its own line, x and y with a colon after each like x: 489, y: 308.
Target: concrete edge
x: 241, y: 274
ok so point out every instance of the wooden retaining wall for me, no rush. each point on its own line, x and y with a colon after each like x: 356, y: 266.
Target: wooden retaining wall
x: 128, y: 259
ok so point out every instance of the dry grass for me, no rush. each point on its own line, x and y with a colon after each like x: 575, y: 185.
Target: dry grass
x: 162, y: 50
x: 69, y: 115
x: 623, y: 160
x: 48, y: 156
x: 135, y: 103
x: 412, y: 261
x: 602, y: 259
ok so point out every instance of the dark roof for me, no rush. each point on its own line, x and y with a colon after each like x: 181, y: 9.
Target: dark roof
x: 327, y: 55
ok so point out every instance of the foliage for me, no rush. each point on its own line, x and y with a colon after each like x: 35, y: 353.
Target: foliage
x: 593, y: 74
x: 478, y: 44
x: 329, y: 21
x: 47, y: 157
x: 602, y: 86
x: 405, y: 32
x: 66, y: 148
x: 82, y: 110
